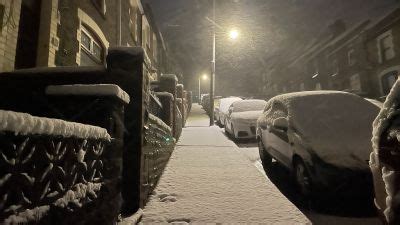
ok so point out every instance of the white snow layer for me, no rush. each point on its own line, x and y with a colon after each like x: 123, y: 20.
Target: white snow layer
x: 336, y: 125
x: 159, y: 122
x: 380, y: 125
x: 248, y: 115
x: 90, y: 89
x: 23, y: 123
x: 249, y: 105
x: 208, y: 180
x: 226, y: 102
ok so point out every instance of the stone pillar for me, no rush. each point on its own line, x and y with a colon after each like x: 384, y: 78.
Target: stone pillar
x: 129, y: 63
x: 168, y: 84
x: 167, y: 101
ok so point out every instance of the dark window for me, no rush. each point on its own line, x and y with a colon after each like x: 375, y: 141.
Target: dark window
x: 92, y: 51
x: 388, y: 81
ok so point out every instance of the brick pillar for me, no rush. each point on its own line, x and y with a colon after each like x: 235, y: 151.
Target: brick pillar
x: 128, y: 62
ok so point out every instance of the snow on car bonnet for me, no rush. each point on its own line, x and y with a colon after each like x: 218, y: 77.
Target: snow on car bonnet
x: 336, y: 125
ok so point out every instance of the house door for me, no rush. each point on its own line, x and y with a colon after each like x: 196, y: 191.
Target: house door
x: 28, y: 34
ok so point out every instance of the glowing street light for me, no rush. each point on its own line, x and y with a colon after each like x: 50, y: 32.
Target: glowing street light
x: 203, y: 77
x: 233, y: 34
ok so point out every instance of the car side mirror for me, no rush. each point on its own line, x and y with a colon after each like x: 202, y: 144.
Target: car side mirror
x: 281, y: 123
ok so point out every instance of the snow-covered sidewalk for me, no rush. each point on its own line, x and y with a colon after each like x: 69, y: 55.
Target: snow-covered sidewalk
x: 208, y: 180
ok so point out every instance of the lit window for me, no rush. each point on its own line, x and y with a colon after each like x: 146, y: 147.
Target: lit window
x: 318, y: 87
x: 91, y: 50
x: 388, y: 81
x: 385, y: 46
x: 302, y: 87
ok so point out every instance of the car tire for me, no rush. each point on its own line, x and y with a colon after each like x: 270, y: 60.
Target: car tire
x: 302, y: 178
x: 266, y: 158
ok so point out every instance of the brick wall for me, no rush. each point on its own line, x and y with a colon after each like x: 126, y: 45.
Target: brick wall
x: 9, y: 33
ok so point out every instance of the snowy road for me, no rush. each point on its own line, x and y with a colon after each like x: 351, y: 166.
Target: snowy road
x: 279, y: 176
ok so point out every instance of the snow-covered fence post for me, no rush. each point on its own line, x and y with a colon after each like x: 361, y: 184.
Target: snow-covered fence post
x: 168, y: 84
x: 181, y: 103
x: 189, y: 97
x: 167, y: 101
x: 129, y: 63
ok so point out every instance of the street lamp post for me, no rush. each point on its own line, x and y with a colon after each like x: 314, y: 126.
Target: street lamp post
x: 212, y: 83
x: 233, y: 34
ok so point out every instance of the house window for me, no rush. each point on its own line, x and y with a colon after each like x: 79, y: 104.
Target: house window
x: 350, y: 57
x: 388, y: 81
x: 100, y: 5
x: 385, y: 46
x: 318, y: 86
x: 284, y: 89
x: 92, y: 52
x: 2, y: 8
x: 355, y: 82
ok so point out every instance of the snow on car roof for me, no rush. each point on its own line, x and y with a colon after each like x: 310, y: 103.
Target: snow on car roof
x: 249, y: 105
x: 226, y: 102
x: 334, y: 123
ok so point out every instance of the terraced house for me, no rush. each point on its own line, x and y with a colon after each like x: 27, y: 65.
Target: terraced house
x: 47, y: 33
x: 363, y: 58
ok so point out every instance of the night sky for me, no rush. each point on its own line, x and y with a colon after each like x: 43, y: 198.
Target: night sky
x: 268, y: 29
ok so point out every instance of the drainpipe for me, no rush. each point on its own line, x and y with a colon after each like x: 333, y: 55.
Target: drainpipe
x: 119, y: 23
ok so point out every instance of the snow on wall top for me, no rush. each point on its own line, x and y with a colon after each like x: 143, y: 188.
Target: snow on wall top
x: 336, y: 125
x: 23, y: 123
x: 159, y: 122
x: 92, y: 89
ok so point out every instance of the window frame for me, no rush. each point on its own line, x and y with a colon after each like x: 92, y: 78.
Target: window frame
x: 350, y: 57
x: 382, y: 50
x: 93, y: 41
x: 385, y: 81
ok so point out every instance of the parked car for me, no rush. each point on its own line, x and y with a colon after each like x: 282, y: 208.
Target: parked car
x: 385, y: 161
x: 223, y: 109
x: 242, y: 116
x: 322, y: 137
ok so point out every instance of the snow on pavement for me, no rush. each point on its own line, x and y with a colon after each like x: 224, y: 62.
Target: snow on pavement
x: 207, y: 180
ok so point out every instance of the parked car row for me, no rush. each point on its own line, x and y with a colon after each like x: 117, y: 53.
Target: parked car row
x: 322, y: 137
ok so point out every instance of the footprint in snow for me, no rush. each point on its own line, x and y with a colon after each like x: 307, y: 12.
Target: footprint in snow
x: 167, y: 197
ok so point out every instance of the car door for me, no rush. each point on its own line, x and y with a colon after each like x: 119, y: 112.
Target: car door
x: 276, y: 140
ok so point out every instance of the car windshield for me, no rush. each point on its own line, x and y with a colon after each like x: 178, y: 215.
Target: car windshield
x: 249, y: 105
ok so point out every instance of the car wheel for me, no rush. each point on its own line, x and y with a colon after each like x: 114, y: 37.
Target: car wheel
x: 302, y: 178
x: 266, y: 159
